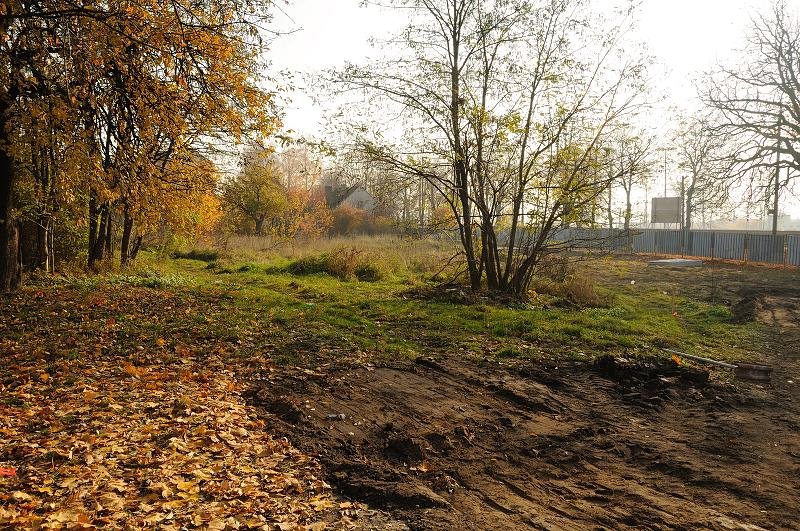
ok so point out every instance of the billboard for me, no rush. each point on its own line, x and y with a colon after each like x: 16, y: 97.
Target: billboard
x: 666, y: 210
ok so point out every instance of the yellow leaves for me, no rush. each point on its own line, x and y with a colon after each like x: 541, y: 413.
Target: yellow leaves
x: 90, y: 395
x: 111, y: 502
x: 20, y: 497
x: 162, y: 489
x: 188, y: 488
x: 74, y: 517
x: 138, y: 447
x: 161, y: 341
x: 131, y: 370
x: 321, y: 504
x: 69, y: 483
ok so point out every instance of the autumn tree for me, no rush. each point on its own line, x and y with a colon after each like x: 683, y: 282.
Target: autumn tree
x: 256, y: 193
x: 126, y: 88
x: 630, y: 163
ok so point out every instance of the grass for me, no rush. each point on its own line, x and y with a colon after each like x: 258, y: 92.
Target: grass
x: 300, y: 309
x: 255, y: 304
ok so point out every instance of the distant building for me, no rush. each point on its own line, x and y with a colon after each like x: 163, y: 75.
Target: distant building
x: 355, y: 196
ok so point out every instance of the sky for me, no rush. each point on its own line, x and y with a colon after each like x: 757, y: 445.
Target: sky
x: 686, y: 38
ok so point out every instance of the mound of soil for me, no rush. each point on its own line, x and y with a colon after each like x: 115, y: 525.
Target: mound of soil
x: 448, y: 443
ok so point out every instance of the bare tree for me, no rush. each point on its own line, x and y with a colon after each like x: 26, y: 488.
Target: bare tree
x: 629, y: 163
x: 505, y: 106
x: 759, y: 102
x: 700, y: 153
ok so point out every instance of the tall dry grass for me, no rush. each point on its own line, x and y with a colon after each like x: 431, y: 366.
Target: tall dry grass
x: 393, y: 253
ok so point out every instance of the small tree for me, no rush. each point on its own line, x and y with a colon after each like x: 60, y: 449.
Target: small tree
x: 633, y: 153
x: 255, y: 194
x: 504, y: 110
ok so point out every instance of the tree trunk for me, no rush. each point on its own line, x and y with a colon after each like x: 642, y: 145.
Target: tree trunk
x: 94, y: 229
x: 10, y: 262
x: 43, y: 238
x: 687, y: 223
x: 97, y: 231
x: 259, y: 226
x: 459, y: 162
x: 109, y: 247
x: 628, y: 208
x: 127, y: 228
x: 136, y: 246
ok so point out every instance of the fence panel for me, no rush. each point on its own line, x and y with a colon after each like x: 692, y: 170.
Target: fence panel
x: 644, y: 241
x: 668, y: 242
x: 793, y: 249
x: 767, y: 248
x: 699, y: 243
x: 729, y: 245
x: 723, y: 245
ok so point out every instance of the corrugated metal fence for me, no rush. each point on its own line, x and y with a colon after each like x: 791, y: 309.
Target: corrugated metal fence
x: 761, y: 247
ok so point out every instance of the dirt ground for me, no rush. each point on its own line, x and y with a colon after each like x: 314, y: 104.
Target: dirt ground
x: 444, y: 443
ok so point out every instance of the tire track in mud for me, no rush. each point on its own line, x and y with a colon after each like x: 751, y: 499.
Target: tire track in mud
x: 448, y: 443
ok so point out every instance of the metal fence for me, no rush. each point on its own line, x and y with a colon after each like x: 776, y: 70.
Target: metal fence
x: 760, y: 247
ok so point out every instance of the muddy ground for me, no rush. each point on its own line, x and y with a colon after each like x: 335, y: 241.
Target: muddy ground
x: 445, y: 443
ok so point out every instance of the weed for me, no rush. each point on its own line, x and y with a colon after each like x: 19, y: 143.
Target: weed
x: 152, y: 279
x: 576, y: 288
x: 343, y: 264
x: 204, y: 255
x: 368, y: 272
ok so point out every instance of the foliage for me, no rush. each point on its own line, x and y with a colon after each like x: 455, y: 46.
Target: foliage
x: 255, y: 196
x: 347, y: 220
x: 342, y: 263
x: 204, y: 255
x: 258, y: 203
x: 107, y: 110
x: 504, y: 111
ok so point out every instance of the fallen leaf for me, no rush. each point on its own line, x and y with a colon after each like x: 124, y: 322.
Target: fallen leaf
x: 21, y: 497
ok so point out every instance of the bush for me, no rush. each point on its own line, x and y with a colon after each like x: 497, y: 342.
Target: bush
x: 580, y: 290
x: 574, y: 288
x: 152, y: 279
x: 368, y: 272
x: 343, y: 264
x: 204, y: 255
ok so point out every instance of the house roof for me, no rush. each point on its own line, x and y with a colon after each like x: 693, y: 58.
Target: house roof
x: 335, y: 195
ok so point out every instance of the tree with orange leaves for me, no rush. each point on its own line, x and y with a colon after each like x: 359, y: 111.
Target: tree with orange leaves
x: 120, y: 90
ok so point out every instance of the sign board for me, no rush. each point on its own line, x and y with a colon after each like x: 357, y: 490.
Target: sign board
x: 666, y: 210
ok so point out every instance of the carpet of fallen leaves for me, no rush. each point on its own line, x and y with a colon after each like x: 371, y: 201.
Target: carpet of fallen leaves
x: 113, y: 415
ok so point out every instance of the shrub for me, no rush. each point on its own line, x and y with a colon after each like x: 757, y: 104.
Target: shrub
x: 342, y: 263
x: 347, y: 220
x: 152, y: 279
x: 577, y: 289
x: 368, y: 272
x: 204, y: 255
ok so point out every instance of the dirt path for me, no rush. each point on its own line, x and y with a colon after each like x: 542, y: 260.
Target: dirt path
x: 446, y: 443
